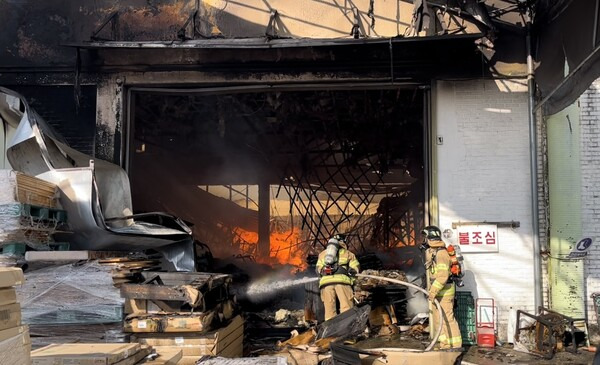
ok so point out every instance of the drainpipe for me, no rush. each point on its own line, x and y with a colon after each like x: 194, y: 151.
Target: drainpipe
x: 537, y: 259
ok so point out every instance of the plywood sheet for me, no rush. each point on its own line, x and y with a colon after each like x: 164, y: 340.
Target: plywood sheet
x: 84, y: 353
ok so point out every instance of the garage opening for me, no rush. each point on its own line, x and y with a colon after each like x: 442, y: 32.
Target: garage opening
x: 272, y: 174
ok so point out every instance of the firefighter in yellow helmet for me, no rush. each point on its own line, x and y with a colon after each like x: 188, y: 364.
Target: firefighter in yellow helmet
x: 337, y: 267
x: 442, y: 288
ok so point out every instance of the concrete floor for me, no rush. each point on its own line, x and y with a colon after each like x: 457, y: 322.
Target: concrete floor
x: 506, y: 355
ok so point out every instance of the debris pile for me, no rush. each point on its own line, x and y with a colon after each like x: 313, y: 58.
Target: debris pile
x: 15, y: 344
x: 547, y: 332
x: 128, y: 269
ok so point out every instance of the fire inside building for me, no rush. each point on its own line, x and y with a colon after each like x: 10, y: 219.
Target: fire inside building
x: 309, y: 182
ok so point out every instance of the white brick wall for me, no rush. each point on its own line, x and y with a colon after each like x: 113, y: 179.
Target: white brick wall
x: 483, y: 175
x: 590, y: 188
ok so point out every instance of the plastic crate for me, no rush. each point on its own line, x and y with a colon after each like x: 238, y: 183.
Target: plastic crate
x: 465, y: 316
x: 14, y: 249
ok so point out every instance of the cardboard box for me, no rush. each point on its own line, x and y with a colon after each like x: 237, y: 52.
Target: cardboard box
x: 188, y: 360
x: 15, y: 331
x: 226, y: 341
x: 8, y: 296
x: 137, y: 357
x: 10, y: 316
x: 84, y: 353
x: 11, y: 276
x: 14, y: 351
x: 168, y: 356
x: 168, y: 322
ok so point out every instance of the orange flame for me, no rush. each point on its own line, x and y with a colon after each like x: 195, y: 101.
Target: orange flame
x: 284, y: 247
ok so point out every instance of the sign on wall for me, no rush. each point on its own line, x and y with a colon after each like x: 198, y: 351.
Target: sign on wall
x: 478, y: 238
x: 580, y: 250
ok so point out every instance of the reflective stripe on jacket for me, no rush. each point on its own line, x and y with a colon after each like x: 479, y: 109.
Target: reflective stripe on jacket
x: 347, y: 260
x: 440, y: 273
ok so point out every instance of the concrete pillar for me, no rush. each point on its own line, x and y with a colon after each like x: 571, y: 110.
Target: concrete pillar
x: 108, y: 143
x: 264, y: 219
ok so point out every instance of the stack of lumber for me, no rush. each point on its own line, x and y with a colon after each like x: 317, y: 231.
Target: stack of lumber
x: 15, y: 344
x: 102, y: 353
x: 193, y: 312
x: 128, y: 269
x: 20, y: 188
x: 34, y: 191
x: 29, y: 210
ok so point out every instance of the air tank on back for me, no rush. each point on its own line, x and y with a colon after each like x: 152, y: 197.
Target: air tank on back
x: 331, y: 251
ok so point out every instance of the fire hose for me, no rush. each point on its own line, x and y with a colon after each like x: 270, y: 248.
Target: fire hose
x: 410, y: 285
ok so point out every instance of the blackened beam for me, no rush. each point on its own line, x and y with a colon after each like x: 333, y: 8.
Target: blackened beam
x: 264, y: 219
x: 263, y: 43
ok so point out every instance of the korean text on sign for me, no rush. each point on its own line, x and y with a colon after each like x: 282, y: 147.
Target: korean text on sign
x: 478, y: 238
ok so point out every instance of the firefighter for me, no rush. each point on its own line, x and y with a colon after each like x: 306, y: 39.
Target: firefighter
x: 442, y: 288
x: 337, y: 267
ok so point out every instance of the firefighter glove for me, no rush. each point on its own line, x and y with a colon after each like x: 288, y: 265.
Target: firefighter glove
x: 432, y: 294
x: 352, y: 272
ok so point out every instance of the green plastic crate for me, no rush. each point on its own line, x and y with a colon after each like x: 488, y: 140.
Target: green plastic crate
x: 14, y: 249
x: 465, y: 316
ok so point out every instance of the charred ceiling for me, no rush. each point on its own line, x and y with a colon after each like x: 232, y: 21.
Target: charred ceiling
x: 113, y: 37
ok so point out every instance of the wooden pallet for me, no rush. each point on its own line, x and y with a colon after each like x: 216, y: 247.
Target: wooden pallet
x: 43, y: 213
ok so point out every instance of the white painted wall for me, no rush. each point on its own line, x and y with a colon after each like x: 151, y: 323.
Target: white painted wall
x: 590, y: 189
x: 483, y: 175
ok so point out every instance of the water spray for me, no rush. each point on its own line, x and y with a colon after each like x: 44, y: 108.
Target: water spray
x: 264, y: 287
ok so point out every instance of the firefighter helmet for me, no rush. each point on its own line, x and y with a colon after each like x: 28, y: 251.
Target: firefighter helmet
x: 433, y: 236
x: 341, y: 238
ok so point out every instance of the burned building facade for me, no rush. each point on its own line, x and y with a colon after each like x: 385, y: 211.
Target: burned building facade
x: 271, y: 125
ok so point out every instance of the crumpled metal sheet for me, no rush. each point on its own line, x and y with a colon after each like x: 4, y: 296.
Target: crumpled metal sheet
x: 96, y: 194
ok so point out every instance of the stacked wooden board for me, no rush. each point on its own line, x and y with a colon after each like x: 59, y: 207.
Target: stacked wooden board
x: 20, y: 188
x: 193, y: 312
x: 34, y: 191
x: 15, y: 344
x: 29, y: 212
x: 103, y: 354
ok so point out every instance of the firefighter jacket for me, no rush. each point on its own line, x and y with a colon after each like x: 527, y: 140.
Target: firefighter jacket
x: 346, y: 261
x: 438, y: 264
